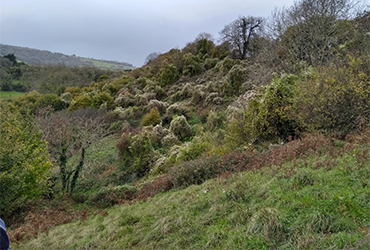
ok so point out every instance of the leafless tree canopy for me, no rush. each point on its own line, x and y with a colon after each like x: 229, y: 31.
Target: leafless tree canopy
x: 151, y: 57
x: 305, y: 10
x: 241, y: 33
x: 308, y: 30
x: 68, y: 134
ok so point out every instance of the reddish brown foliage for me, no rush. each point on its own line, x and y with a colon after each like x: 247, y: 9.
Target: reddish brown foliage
x: 42, y: 221
x: 160, y: 184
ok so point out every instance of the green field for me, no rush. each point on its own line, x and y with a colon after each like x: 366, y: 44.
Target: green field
x: 8, y: 94
x: 107, y: 64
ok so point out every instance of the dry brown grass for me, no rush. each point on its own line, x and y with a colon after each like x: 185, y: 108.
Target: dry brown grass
x: 41, y: 221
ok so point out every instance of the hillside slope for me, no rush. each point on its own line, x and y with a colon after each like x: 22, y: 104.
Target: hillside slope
x: 314, y: 201
x: 43, y: 57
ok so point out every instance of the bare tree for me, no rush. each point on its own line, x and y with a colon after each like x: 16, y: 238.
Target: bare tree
x: 68, y: 134
x: 152, y: 56
x: 308, y: 30
x: 241, y: 33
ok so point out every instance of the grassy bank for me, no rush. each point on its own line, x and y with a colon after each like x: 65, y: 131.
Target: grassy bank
x: 321, y: 201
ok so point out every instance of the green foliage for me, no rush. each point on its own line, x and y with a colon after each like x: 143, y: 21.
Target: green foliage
x: 224, y: 66
x: 103, y: 78
x: 101, y: 98
x: 51, y: 100
x: 204, y: 47
x: 75, y: 91
x: 24, y: 161
x: 214, y: 121
x: 192, y: 150
x: 195, y: 172
x: 180, y: 127
x: 234, y: 80
x: 137, y: 152
x: 210, y: 63
x: 193, y: 65
x: 267, y: 116
x: 168, y: 75
x: 81, y: 101
x: 152, y: 118
x: 335, y: 100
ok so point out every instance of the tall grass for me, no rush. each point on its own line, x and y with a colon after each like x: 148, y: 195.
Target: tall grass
x: 321, y: 201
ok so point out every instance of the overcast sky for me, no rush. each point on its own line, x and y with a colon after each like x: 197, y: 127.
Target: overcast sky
x: 120, y: 30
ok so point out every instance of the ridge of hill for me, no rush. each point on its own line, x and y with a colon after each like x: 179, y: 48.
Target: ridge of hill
x: 42, y: 57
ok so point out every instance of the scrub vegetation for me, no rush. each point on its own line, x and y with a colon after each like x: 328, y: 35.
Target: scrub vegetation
x: 260, y: 141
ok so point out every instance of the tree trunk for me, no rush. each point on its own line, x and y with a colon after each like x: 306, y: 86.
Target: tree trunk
x: 77, y: 171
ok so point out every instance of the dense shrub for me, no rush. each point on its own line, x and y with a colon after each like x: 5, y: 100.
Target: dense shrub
x: 214, y: 121
x: 50, y: 100
x: 100, y: 98
x: 137, y: 152
x: 125, y: 99
x: 195, y: 172
x: 168, y: 75
x: 210, y: 63
x: 224, y: 66
x: 335, y: 100
x: 24, y: 160
x: 158, y: 105
x: 180, y: 127
x: 267, y: 116
x: 234, y: 80
x: 107, y: 196
x: 152, y: 118
x: 192, y: 150
x: 81, y: 101
x: 193, y: 65
x: 75, y: 91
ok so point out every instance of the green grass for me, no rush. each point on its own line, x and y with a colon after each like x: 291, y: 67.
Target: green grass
x: 320, y: 202
x: 100, y: 158
x: 106, y: 64
x: 9, y: 94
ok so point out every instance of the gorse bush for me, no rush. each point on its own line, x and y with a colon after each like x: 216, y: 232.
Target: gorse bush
x: 152, y: 118
x: 180, y: 127
x: 137, y: 151
x: 193, y: 65
x: 168, y: 75
x: 267, y: 117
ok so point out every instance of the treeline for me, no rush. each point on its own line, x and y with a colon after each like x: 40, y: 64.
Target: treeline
x: 307, y: 69
x: 22, y: 77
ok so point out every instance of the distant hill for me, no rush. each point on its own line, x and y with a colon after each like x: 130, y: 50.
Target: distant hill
x: 43, y: 57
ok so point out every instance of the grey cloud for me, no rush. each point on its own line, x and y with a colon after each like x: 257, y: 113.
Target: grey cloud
x: 119, y: 30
